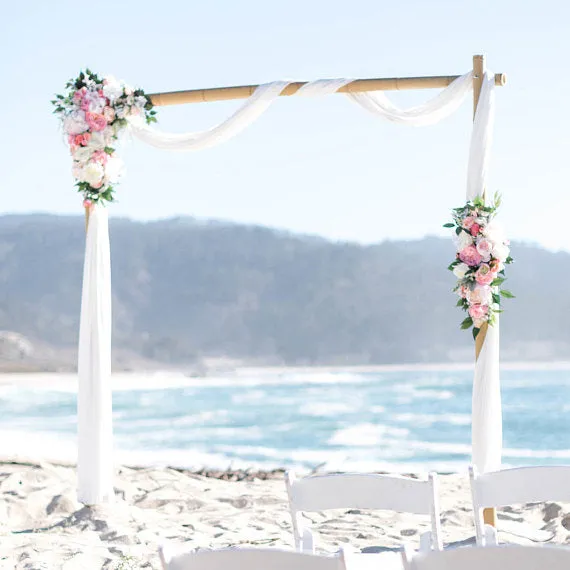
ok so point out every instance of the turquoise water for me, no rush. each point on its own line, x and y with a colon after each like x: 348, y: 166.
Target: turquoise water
x: 394, y: 420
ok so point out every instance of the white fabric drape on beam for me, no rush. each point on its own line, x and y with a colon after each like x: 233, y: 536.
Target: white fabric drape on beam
x: 94, y: 401
x: 435, y: 110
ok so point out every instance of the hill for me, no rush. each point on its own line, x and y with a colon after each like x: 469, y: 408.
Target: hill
x: 184, y: 290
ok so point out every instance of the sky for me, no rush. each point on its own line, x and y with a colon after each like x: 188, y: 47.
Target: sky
x: 319, y: 166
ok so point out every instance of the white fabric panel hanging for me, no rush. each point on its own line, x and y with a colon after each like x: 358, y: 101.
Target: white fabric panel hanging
x: 94, y: 400
x: 481, y: 139
x: 487, y: 421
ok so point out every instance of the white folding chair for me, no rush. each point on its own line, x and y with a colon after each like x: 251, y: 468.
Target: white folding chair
x: 250, y: 559
x: 362, y: 491
x: 515, y: 486
x: 490, y: 558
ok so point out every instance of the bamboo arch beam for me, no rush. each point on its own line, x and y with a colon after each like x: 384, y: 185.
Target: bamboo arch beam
x: 356, y: 86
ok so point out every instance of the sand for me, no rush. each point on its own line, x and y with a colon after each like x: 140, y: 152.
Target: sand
x: 43, y: 527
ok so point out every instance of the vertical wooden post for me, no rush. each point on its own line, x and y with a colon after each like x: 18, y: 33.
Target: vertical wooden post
x: 489, y: 515
x: 87, y: 210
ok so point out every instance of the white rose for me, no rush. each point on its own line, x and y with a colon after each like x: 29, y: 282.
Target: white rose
x: 82, y: 154
x: 75, y: 123
x: 113, y: 169
x: 112, y: 89
x: 463, y: 240
x: 97, y: 141
x: 460, y: 270
x: 93, y: 173
x: 501, y: 251
x: 494, y: 232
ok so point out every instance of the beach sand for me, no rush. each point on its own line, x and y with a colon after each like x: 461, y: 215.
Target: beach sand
x: 43, y: 527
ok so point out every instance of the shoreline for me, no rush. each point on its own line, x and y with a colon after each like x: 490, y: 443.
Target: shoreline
x: 241, y: 372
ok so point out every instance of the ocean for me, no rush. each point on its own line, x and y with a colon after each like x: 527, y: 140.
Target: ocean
x: 391, y: 419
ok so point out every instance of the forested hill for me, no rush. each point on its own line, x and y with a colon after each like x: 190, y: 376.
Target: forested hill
x: 184, y: 290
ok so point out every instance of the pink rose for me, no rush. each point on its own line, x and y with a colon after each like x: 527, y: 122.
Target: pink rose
x: 475, y: 229
x: 82, y: 140
x: 78, y: 95
x: 85, y: 104
x: 100, y: 156
x: 484, y: 275
x: 468, y: 222
x: 470, y: 256
x: 109, y: 114
x: 87, y: 203
x: 95, y: 121
x: 478, y: 311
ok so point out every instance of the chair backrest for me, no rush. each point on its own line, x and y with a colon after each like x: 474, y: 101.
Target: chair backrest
x: 363, y: 491
x: 490, y: 558
x: 516, y: 486
x: 250, y: 559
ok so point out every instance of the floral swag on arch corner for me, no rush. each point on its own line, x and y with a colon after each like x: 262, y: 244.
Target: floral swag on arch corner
x: 482, y: 253
x: 94, y: 113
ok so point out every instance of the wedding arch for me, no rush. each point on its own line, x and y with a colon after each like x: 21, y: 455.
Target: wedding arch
x: 95, y: 111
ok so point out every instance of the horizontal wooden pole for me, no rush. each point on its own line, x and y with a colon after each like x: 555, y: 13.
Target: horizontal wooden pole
x: 357, y: 86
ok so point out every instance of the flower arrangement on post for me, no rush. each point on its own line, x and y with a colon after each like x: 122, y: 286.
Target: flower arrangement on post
x: 94, y: 112
x: 482, y: 253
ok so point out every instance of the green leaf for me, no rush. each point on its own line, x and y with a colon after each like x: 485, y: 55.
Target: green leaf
x: 507, y: 294
x: 496, y: 282
x: 467, y: 323
x: 457, y: 231
x: 449, y: 225
x: 496, y: 298
x: 475, y: 332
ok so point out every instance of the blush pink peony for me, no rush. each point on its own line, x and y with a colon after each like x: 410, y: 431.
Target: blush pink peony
x: 470, y: 256
x: 477, y: 312
x: 475, y: 229
x: 480, y: 295
x: 95, y: 121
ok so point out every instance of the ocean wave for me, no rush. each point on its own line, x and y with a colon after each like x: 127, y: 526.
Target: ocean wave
x: 366, y: 435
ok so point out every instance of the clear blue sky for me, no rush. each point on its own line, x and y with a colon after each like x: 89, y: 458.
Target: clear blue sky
x: 320, y: 166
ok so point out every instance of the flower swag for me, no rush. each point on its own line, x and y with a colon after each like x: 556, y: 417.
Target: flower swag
x: 94, y: 112
x: 482, y: 253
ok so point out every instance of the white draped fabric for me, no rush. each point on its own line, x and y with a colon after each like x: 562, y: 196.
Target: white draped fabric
x: 95, y: 431
x: 487, y: 420
x: 94, y: 402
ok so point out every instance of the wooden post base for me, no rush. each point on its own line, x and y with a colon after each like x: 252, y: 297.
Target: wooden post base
x: 490, y: 517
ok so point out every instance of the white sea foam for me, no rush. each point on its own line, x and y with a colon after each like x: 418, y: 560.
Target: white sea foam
x: 426, y: 420
x: 325, y: 409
